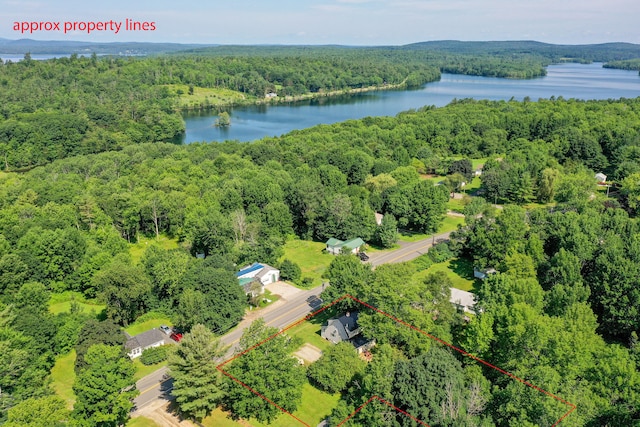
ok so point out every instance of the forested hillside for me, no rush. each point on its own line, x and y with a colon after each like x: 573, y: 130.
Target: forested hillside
x: 562, y: 312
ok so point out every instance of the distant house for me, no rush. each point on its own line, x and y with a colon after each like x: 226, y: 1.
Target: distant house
x: 483, y: 273
x: 463, y: 300
x: 337, y: 247
x: 137, y: 344
x: 271, y: 95
x: 263, y: 273
x: 601, y: 178
x: 340, y: 329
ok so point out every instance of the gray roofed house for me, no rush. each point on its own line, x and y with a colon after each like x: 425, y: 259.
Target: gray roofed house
x: 341, y: 329
x: 463, y: 300
x: 137, y: 344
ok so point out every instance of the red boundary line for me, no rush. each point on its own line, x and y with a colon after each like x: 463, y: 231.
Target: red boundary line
x: 572, y: 407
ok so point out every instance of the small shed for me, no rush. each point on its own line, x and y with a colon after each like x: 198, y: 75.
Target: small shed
x: 337, y: 247
x: 483, y: 273
x: 601, y: 178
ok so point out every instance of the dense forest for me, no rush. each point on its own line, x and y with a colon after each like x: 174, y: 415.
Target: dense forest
x: 89, y: 170
x: 81, y: 105
x: 562, y: 312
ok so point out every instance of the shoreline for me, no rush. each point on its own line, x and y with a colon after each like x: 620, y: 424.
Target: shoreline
x: 296, y: 98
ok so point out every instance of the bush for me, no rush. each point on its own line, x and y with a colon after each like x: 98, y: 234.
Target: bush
x: 154, y: 355
x: 289, y: 270
x: 440, y: 253
x: 422, y: 262
x: 307, y: 281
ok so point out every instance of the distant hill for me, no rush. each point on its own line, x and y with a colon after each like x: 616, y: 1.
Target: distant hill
x: 605, y: 52
x: 22, y: 46
x: 589, y: 52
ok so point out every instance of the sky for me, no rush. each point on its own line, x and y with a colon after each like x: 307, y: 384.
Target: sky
x: 346, y: 22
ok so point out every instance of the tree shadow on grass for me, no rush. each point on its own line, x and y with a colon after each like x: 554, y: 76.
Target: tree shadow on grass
x: 463, y: 267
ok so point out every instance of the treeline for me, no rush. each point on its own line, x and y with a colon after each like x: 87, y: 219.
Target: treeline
x: 629, y: 64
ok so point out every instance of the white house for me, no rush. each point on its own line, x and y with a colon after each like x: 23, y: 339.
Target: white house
x: 263, y: 273
x: 336, y: 247
x: 600, y: 177
x: 463, y: 300
x: 137, y: 344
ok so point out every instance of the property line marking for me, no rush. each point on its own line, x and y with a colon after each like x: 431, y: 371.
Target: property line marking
x: 571, y: 406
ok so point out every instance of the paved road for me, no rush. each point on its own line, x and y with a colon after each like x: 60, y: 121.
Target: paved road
x: 407, y: 251
x: 158, y: 384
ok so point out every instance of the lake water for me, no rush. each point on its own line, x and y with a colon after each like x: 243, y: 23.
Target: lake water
x: 567, y: 80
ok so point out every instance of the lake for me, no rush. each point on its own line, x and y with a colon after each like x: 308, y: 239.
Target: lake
x: 567, y: 80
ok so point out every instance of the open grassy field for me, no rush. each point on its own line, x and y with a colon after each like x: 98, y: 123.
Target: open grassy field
x: 207, y: 96
x: 63, y: 376
x: 137, y: 249
x: 311, y: 258
x: 141, y: 422
x: 315, y: 406
x: 144, y: 370
x: 139, y: 327
x: 459, y: 270
x: 309, y: 331
x: 449, y: 223
x: 61, y: 303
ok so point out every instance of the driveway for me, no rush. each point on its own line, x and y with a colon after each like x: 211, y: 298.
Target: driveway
x: 284, y: 290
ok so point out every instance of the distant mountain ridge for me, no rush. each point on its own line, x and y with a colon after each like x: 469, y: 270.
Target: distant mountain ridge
x: 603, y: 52
x: 22, y: 46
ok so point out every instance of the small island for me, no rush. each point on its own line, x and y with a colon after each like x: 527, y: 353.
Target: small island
x: 223, y: 120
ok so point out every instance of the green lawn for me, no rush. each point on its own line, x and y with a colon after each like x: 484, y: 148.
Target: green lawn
x: 309, y: 331
x: 449, y: 223
x: 63, y: 376
x: 215, y: 96
x: 460, y: 271
x: 61, y: 303
x: 137, y: 249
x: 315, y: 406
x: 218, y: 418
x: 141, y: 422
x: 310, y: 256
x: 139, y: 327
x: 144, y: 370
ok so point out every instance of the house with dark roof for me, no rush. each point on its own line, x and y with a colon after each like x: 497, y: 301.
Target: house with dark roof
x: 257, y: 272
x: 137, y: 344
x: 340, y: 329
x: 337, y: 247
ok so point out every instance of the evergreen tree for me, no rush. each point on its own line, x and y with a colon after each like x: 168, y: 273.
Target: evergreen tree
x: 196, y: 382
